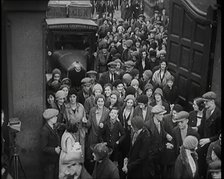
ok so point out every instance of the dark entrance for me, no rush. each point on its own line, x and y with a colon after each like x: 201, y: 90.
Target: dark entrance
x: 189, y: 50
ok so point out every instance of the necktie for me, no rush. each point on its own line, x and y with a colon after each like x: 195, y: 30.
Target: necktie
x: 134, y: 137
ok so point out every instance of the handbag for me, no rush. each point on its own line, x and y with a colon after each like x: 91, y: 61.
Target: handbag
x: 72, y: 156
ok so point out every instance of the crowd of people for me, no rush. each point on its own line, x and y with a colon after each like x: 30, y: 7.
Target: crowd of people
x: 122, y: 119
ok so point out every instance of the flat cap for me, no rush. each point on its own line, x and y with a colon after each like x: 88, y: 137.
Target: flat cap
x: 209, y: 95
x: 49, y: 113
x: 182, y: 115
x: 129, y: 63
x: 118, y: 61
x: 86, y: 80
x: 112, y: 64
x: 158, y: 109
x: 91, y: 72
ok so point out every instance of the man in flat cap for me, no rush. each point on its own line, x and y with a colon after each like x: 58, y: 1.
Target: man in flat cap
x: 159, y: 136
x: 209, y: 129
x: 182, y: 130
x: 85, y: 92
x: 50, y: 144
x: 109, y: 76
x: 93, y: 75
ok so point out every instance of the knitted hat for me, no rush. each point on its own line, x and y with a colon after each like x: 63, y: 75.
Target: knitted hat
x: 97, y: 87
x: 49, y: 113
x: 56, y: 71
x: 177, y: 107
x: 130, y: 90
x: 134, y: 82
x: 158, y: 91
x: 148, y: 73
x: 190, y: 142
x: 60, y: 94
x: 142, y: 99
x: 127, y: 78
x: 130, y: 96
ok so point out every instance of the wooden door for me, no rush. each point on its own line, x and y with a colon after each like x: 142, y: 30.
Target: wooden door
x: 189, y: 48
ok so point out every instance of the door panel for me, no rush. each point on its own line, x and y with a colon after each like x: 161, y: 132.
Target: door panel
x: 188, y: 50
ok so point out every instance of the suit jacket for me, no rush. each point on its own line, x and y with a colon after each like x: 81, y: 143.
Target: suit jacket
x: 211, y: 127
x: 93, y: 129
x: 49, y: 139
x: 105, y: 170
x: 140, y: 67
x: 138, y: 112
x: 177, y: 140
x: 137, y: 160
x: 105, y: 78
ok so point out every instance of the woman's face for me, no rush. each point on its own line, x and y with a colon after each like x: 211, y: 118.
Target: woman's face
x: 97, y: 92
x: 60, y: 101
x: 163, y: 65
x: 50, y: 99
x: 144, y: 54
x: 118, y: 66
x: 72, y: 98
x: 107, y: 91
x: 120, y: 87
x: 149, y: 93
x: 56, y: 77
x: 136, y: 87
x: 130, y: 103
x: 113, y: 99
x: 65, y: 89
x: 158, y: 97
x: 100, y: 103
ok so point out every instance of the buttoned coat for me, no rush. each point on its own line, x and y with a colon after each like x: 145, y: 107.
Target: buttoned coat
x: 177, y: 139
x: 105, y: 170
x: 138, y: 156
x: 49, y: 140
x: 105, y: 78
x: 93, y: 129
x: 138, y: 112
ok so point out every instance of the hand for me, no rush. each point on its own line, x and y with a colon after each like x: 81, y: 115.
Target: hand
x: 95, y: 54
x: 171, y: 106
x: 125, y: 169
x: 169, y: 137
x: 3, y: 171
x: 57, y: 149
x: 117, y: 142
x: 195, y: 128
x: 84, y: 120
x: 125, y: 161
x: 202, y: 142
x: 101, y: 125
x: 169, y: 145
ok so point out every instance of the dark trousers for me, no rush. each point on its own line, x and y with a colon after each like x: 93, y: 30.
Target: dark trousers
x: 202, y: 164
x: 51, y: 171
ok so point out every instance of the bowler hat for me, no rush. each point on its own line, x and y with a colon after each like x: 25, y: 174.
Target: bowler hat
x: 49, y: 113
x: 158, y: 109
x: 209, y: 95
x: 180, y: 116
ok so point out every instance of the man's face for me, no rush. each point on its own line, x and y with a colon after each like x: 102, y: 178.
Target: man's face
x: 86, y: 87
x: 159, y: 117
x: 183, y: 124
x: 208, y: 103
x: 142, y: 105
